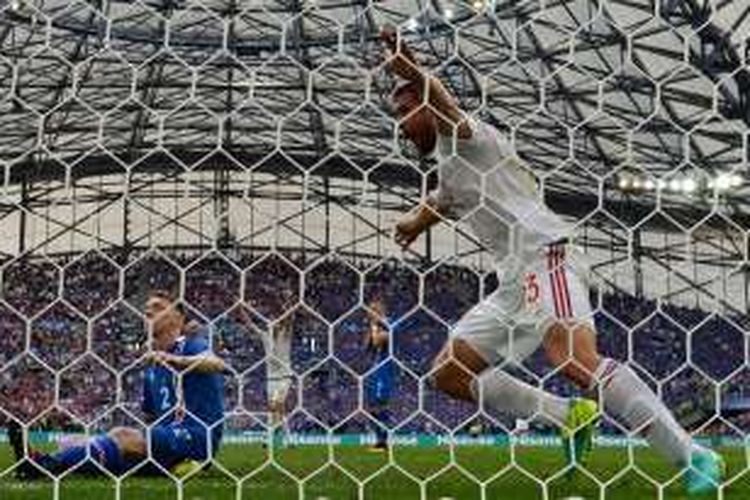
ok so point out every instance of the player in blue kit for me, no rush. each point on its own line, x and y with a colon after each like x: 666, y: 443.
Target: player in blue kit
x: 185, y: 415
x: 192, y: 427
x: 380, y: 385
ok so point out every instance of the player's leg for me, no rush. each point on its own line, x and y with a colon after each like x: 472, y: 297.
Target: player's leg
x: 176, y: 443
x: 112, y: 451
x: 456, y: 367
x: 279, y: 376
x: 630, y: 400
x: 624, y: 394
x: 480, y: 339
x: 544, y: 308
x: 380, y: 410
x: 278, y: 387
x: 379, y: 396
x: 277, y: 410
x: 571, y: 345
x: 183, y: 447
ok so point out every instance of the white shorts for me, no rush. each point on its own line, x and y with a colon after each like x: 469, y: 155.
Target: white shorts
x: 534, y: 292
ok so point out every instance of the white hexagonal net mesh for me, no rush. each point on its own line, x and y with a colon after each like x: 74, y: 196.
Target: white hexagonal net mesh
x: 249, y: 162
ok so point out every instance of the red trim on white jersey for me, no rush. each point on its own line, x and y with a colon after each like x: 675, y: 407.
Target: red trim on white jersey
x: 559, y: 282
x: 551, y: 271
x: 606, y: 376
x: 564, y: 278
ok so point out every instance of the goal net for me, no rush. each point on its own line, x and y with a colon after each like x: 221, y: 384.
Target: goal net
x: 247, y: 158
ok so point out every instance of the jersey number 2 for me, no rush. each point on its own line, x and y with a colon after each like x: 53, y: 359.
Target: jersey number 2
x: 165, y: 403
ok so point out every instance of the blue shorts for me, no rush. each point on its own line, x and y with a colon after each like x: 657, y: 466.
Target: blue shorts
x: 175, y: 442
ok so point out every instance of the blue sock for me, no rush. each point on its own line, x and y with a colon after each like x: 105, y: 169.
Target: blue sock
x: 102, y: 449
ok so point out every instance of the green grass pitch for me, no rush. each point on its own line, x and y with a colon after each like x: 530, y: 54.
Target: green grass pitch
x: 421, y: 471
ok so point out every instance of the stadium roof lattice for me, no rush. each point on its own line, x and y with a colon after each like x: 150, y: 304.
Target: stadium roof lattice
x: 588, y: 89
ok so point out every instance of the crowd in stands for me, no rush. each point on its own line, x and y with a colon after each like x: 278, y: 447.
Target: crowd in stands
x: 66, y: 320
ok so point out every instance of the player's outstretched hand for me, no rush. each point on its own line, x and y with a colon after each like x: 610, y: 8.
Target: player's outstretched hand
x: 401, y: 60
x: 407, y: 230
x: 389, y: 36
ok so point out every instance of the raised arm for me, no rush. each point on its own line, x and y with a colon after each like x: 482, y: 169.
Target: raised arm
x: 418, y: 220
x: 403, y: 63
x: 204, y: 362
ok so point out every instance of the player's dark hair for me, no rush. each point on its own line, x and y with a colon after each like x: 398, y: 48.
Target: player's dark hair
x: 161, y: 293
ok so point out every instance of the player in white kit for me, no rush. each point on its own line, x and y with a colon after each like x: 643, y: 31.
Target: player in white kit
x: 278, y: 347
x: 541, y: 298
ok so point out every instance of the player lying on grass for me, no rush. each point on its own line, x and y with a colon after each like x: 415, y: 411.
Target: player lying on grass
x: 541, y: 297
x: 185, y: 417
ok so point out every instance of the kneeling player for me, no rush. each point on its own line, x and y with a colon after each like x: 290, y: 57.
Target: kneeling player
x: 187, y: 416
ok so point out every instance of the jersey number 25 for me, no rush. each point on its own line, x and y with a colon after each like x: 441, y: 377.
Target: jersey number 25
x: 532, y: 291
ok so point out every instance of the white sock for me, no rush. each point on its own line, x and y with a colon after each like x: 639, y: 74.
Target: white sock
x: 500, y: 391
x: 631, y: 401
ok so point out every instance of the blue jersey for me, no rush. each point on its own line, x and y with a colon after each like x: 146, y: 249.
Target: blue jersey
x: 203, y: 393
x: 198, y: 435
x: 381, y: 352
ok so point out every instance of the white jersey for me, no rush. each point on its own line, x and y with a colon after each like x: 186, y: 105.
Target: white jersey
x: 481, y: 176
